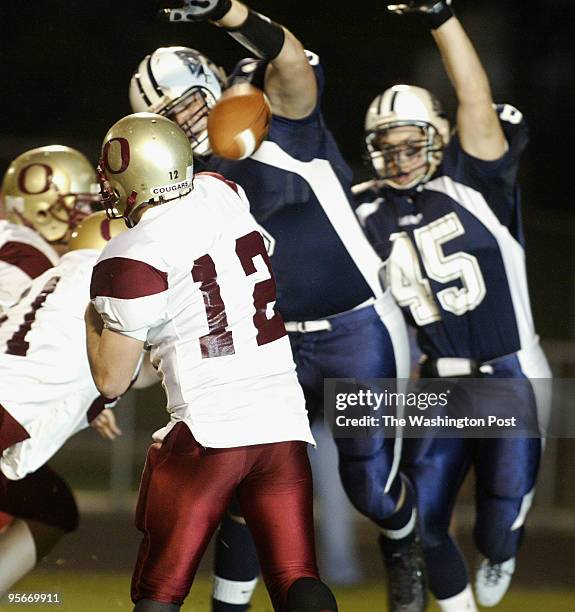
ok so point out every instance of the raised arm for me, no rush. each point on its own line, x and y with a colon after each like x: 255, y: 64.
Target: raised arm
x: 290, y: 82
x: 478, y: 126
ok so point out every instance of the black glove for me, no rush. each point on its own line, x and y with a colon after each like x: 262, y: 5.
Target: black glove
x: 434, y: 12
x: 197, y: 10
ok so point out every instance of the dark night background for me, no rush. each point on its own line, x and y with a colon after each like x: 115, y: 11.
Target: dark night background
x: 66, y: 65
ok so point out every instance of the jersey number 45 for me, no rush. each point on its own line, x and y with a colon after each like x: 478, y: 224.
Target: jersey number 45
x: 403, y: 273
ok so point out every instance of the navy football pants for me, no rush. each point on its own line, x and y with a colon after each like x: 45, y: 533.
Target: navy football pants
x: 505, y: 474
x: 358, y: 346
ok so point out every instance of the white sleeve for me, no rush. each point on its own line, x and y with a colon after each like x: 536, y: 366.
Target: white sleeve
x: 130, y: 295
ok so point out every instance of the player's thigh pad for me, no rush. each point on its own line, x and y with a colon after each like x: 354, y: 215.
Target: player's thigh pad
x: 42, y: 496
x: 437, y: 468
x: 277, y: 499
x: 184, y: 492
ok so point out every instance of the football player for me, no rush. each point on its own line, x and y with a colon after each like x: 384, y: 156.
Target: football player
x: 47, y: 191
x: 193, y: 281
x: 443, y: 212
x: 46, y: 395
x: 340, y: 323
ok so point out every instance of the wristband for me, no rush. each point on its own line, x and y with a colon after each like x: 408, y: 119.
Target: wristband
x: 260, y: 35
x: 221, y: 9
x: 438, y: 14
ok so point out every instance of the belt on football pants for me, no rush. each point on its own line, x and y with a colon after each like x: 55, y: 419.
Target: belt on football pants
x: 454, y: 367
x: 305, y: 327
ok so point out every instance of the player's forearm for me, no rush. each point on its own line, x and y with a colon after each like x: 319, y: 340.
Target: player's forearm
x: 288, y: 48
x: 290, y: 82
x: 94, y: 328
x: 235, y: 16
x: 462, y: 63
x: 258, y: 34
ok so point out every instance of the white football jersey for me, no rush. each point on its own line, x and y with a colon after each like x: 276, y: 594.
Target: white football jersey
x: 193, y: 280
x: 45, y: 379
x: 24, y: 255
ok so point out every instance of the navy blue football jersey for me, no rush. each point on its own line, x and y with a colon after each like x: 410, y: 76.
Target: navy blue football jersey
x: 453, y: 251
x: 299, y: 187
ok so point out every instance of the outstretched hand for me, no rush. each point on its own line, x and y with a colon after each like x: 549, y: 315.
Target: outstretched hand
x: 105, y: 424
x: 434, y: 12
x: 196, y: 10
x: 418, y: 6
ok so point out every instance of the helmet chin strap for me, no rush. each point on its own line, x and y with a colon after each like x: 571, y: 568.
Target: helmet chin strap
x: 416, y: 184
x: 22, y: 219
x: 408, y: 191
x: 162, y: 200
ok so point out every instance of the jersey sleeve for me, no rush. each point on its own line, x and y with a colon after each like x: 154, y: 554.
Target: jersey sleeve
x: 130, y: 295
x: 253, y: 71
x: 313, y: 59
x: 505, y: 168
x: 496, y: 179
x: 26, y: 257
x: 20, y: 263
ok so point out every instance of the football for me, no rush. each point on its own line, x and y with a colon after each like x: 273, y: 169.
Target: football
x: 239, y: 121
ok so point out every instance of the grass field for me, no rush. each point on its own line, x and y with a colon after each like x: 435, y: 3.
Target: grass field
x: 108, y: 592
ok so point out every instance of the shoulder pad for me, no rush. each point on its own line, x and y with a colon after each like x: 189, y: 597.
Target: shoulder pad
x: 509, y: 113
x: 312, y: 58
x: 366, y: 209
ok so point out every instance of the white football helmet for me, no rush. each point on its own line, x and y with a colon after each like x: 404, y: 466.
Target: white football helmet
x: 399, y: 107
x: 146, y: 158
x: 182, y: 84
x: 50, y: 189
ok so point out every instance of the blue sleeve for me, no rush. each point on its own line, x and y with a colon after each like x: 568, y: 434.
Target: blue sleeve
x: 516, y: 133
x: 496, y: 179
x: 253, y: 71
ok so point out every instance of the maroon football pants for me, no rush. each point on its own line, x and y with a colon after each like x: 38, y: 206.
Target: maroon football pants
x: 184, y: 493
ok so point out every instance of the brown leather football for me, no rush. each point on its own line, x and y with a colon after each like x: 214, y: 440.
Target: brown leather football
x: 239, y: 121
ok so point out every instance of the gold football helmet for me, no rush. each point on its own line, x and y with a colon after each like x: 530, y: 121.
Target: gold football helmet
x: 50, y: 189
x: 95, y: 231
x: 146, y: 159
